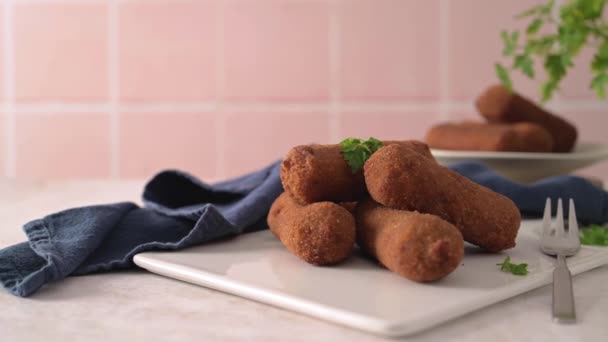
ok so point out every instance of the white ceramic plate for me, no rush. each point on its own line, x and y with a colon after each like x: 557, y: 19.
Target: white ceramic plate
x: 359, y: 293
x: 526, y: 166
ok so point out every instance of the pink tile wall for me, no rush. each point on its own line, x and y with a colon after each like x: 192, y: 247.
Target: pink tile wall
x: 60, y: 146
x: 276, y: 50
x: 474, y: 44
x: 389, y: 126
x: 254, y: 139
x: 2, y: 147
x: 124, y: 88
x: 389, y: 49
x: 150, y: 142
x: 60, y: 51
x: 2, y: 62
x: 167, y: 51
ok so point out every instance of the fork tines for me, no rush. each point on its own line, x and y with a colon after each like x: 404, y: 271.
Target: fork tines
x: 559, y: 220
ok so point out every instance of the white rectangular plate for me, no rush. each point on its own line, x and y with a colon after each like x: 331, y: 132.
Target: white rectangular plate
x: 359, y: 293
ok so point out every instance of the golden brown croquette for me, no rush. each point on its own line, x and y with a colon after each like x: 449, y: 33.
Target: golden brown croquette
x: 321, y: 233
x: 480, y: 136
x: 399, y: 178
x: 497, y: 104
x: 420, y: 247
x: 315, y: 173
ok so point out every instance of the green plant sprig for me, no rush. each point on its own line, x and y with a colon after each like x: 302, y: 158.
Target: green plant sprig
x: 357, y: 151
x: 580, y: 24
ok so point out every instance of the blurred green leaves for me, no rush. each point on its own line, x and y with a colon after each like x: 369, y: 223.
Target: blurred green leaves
x: 510, y: 42
x: 555, y: 37
x: 524, y: 63
x: 594, y: 235
x: 503, y: 75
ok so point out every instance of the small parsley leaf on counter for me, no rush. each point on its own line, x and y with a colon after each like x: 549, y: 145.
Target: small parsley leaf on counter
x: 517, y: 269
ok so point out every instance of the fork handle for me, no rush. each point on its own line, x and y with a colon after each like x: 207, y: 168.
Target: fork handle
x: 563, y: 296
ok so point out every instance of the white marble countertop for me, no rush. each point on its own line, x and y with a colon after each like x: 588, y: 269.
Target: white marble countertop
x: 136, y: 305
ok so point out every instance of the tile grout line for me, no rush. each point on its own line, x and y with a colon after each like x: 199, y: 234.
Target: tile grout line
x: 113, y: 77
x: 9, y: 90
x: 333, y: 41
x: 220, y: 83
x: 444, y: 57
x: 84, y: 108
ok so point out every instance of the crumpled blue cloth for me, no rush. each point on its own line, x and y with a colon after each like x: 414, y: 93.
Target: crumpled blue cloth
x: 181, y: 211
x: 591, y: 202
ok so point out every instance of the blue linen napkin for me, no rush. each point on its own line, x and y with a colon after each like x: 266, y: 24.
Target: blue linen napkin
x: 591, y: 202
x: 181, y: 211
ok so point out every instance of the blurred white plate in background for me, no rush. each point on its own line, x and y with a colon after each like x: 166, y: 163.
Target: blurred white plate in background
x: 527, y: 166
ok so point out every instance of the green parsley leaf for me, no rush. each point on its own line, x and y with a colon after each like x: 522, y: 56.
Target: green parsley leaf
x: 357, y: 151
x: 590, y: 9
x: 510, y: 42
x: 547, y: 89
x: 516, y: 269
x: 594, y: 235
x: 541, y: 46
x: 572, y: 38
x: 534, y: 26
x: 555, y: 66
x: 504, y: 77
x: 600, y: 60
x: 526, y: 64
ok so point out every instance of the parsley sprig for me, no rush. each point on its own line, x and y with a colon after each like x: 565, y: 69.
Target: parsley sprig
x: 594, y: 235
x: 579, y: 23
x: 517, y: 269
x: 357, y: 151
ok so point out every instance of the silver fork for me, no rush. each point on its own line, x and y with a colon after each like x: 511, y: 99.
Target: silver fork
x: 556, y: 241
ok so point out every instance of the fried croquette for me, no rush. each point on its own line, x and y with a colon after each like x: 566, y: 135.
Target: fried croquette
x: 315, y: 173
x: 420, y: 247
x: 480, y: 136
x: 400, y: 178
x: 321, y: 233
x: 497, y: 104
